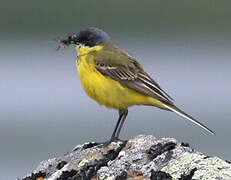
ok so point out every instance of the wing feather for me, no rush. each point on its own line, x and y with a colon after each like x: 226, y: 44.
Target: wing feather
x: 134, y: 78
x: 148, y: 80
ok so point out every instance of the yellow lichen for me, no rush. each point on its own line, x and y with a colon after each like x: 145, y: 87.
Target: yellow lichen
x: 40, y: 178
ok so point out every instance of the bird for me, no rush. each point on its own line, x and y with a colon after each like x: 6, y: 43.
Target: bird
x: 115, y: 79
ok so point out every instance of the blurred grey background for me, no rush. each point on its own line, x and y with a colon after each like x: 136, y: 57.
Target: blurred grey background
x: 184, y: 45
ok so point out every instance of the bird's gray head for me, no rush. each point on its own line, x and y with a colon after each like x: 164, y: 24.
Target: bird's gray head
x: 88, y: 37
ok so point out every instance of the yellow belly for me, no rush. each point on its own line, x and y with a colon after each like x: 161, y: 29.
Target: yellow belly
x: 107, y: 91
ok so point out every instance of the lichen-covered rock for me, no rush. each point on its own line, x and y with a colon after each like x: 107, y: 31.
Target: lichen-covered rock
x: 142, y: 157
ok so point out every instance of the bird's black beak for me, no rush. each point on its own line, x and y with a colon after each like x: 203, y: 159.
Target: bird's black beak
x: 70, y: 39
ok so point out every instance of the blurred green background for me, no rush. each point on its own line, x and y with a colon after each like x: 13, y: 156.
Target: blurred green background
x: 184, y: 45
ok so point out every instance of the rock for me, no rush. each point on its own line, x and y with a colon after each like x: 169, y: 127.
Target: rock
x: 142, y: 157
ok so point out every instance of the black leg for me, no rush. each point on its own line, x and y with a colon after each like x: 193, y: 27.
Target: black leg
x: 116, y: 127
x: 125, y: 113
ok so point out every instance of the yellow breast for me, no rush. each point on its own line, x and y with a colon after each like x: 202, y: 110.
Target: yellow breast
x: 105, y: 90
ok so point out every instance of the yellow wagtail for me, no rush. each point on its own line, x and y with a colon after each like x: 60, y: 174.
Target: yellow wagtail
x: 115, y: 79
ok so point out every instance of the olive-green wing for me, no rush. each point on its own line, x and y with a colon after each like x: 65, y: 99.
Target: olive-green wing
x: 130, y: 74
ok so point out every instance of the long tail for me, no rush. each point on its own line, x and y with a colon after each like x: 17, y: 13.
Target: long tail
x: 183, y: 114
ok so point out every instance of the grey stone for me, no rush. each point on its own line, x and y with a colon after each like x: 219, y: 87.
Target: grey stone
x: 142, y: 157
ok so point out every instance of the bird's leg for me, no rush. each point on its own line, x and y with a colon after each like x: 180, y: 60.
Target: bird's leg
x: 116, y: 127
x: 114, y: 132
x: 125, y: 113
x: 122, y: 116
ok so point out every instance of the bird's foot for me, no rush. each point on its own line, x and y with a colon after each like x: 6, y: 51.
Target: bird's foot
x: 106, y: 143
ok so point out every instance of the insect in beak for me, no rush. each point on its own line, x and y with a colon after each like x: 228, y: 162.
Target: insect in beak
x: 71, y: 39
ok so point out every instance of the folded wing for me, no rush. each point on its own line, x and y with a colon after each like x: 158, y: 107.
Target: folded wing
x: 135, y: 78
